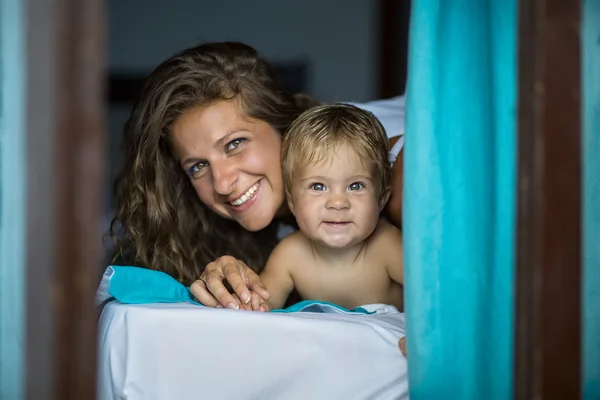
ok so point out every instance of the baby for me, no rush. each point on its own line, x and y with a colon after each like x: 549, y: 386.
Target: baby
x: 336, y: 172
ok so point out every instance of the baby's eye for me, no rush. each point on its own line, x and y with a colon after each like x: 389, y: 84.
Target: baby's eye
x: 196, y: 168
x: 234, y: 144
x: 319, y: 187
x: 356, y: 186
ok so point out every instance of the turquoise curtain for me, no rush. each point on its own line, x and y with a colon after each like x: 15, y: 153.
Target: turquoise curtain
x: 12, y: 199
x: 459, y: 207
x: 591, y: 198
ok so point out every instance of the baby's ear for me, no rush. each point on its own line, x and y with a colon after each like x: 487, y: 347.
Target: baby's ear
x: 384, y: 197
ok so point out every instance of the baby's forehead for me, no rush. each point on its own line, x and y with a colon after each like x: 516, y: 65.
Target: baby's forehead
x: 336, y: 153
x: 336, y: 166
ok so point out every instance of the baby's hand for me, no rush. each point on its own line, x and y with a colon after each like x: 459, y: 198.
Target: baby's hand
x: 240, y: 303
x: 257, y: 303
x: 245, y: 306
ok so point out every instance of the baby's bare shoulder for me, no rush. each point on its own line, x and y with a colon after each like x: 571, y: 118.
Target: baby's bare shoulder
x: 386, y: 250
x: 295, y: 244
x: 385, y: 243
x: 386, y: 234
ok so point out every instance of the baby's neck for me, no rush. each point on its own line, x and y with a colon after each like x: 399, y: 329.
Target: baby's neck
x: 342, y: 256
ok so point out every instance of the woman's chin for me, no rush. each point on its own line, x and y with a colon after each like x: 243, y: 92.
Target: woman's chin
x: 255, y: 224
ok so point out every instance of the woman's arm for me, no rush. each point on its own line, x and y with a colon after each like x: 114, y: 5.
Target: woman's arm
x: 393, y: 209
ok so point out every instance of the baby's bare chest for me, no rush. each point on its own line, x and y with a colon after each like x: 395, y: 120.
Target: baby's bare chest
x: 349, y: 286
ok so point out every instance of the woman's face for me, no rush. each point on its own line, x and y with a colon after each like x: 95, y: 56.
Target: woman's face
x: 233, y: 162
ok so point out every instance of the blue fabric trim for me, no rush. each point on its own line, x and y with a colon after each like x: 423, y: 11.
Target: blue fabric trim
x: 135, y: 285
x: 307, y: 304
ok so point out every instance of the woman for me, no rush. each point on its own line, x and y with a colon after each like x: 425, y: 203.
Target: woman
x: 202, y: 175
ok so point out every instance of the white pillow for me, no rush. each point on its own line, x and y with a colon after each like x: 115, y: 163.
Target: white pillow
x: 391, y: 113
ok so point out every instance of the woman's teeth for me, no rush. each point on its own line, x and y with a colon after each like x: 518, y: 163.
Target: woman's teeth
x: 245, y: 197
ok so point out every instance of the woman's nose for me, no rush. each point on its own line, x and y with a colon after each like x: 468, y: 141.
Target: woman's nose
x: 225, y: 176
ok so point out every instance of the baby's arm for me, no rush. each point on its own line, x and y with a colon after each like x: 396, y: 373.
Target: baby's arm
x: 391, y: 240
x: 392, y: 250
x: 277, y: 273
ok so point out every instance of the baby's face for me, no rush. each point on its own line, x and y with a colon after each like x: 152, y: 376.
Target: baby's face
x: 335, y: 201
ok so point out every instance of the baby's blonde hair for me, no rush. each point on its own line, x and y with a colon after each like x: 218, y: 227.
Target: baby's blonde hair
x: 318, y: 132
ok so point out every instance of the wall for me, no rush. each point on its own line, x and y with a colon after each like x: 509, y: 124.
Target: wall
x: 339, y: 38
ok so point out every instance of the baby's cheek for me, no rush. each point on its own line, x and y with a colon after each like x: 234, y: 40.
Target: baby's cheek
x: 305, y: 212
x: 371, y: 212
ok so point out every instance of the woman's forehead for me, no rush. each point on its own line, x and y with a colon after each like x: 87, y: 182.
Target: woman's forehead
x: 212, y: 120
x: 202, y: 126
x: 203, y: 129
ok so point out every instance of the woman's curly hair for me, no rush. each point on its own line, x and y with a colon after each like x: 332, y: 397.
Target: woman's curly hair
x: 160, y: 223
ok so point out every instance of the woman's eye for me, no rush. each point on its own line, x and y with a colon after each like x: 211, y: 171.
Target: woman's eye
x: 356, y: 186
x: 319, y: 187
x: 199, y: 166
x: 234, y: 144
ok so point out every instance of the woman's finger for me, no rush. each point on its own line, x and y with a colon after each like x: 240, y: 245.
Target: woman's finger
x: 202, y: 295
x: 232, y: 270
x: 256, y: 285
x: 243, y: 305
x: 214, y: 284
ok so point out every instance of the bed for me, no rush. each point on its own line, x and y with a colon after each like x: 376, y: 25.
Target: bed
x: 155, y: 342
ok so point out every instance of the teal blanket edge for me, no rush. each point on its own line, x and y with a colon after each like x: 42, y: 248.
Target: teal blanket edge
x: 136, y: 285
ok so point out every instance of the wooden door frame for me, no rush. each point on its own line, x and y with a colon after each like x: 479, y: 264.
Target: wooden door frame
x: 548, y: 246
x: 394, y: 19
x: 65, y: 166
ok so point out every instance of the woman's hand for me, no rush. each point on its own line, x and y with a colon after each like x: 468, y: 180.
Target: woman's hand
x: 248, y: 289
x: 402, y: 345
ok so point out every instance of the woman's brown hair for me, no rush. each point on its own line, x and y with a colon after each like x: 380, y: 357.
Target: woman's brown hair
x: 160, y: 223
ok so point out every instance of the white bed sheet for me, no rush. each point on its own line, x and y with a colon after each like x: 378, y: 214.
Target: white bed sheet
x: 183, y: 351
